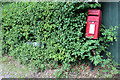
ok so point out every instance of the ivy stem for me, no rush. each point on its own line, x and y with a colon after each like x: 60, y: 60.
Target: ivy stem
x: 93, y: 53
x: 91, y: 65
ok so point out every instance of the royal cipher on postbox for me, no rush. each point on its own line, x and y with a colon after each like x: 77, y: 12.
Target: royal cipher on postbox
x: 93, y: 23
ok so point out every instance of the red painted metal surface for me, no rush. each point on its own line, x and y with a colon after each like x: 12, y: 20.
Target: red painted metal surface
x: 93, y: 23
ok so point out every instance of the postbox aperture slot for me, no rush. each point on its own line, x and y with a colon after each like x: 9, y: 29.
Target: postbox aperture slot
x: 92, y: 18
x: 93, y: 21
x: 92, y: 15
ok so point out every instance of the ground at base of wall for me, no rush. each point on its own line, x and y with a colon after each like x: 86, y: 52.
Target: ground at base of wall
x: 10, y: 68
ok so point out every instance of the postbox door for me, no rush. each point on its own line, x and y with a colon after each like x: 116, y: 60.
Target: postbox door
x: 92, y: 29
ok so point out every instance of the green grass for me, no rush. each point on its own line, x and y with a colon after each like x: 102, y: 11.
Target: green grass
x: 12, y: 67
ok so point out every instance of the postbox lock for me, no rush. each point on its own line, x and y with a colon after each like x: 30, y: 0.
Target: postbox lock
x: 93, y: 23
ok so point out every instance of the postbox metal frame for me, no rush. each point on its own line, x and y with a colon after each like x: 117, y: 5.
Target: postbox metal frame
x: 93, y: 23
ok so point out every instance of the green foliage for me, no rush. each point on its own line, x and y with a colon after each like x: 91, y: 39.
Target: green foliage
x: 109, y: 66
x: 58, y: 27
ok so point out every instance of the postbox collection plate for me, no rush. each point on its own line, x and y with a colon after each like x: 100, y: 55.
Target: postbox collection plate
x: 92, y: 29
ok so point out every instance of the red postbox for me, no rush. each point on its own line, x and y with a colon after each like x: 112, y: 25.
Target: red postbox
x: 93, y: 23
